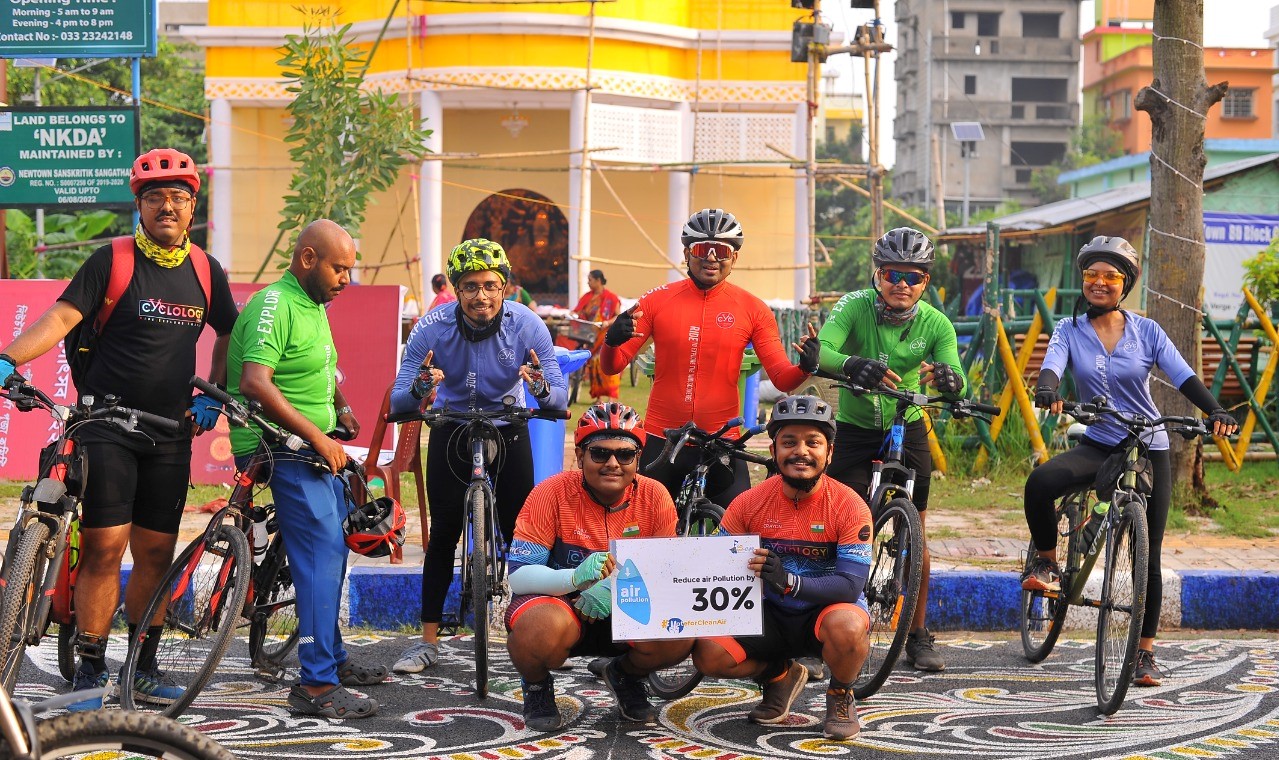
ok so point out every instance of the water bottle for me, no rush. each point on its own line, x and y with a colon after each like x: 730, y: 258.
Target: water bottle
x: 258, y: 537
x: 1092, y: 529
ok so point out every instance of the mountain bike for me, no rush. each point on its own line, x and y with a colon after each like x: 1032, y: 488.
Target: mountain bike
x: 697, y: 516
x: 215, y: 581
x: 37, y: 558
x: 483, y: 546
x: 97, y: 733
x: 1086, y: 524
x: 897, y: 550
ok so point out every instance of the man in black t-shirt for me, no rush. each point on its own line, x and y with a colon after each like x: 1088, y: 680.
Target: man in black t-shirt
x: 145, y: 356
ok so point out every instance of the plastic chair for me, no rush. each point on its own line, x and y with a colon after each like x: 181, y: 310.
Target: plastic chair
x: 407, y: 458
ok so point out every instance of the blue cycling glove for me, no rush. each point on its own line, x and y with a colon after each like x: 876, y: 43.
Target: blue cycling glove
x: 205, y: 410
x: 7, y: 368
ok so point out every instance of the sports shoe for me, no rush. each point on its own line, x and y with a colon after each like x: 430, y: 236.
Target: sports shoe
x: 419, y: 657
x: 629, y: 691
x: 779, y: 694
x: 841, y: 714
x: 816, y: 668
x: 1042, y: 575
x: 1147, y: 672
x: 540, y: 710
x: 921, y: 651
x: 155, y: 687
x: 598, y: 665
x: 89, y: 680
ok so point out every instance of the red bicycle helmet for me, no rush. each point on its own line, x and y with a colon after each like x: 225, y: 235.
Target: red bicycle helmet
x: 609, y: 418
x: 164, y: 165
x: 376, y: 529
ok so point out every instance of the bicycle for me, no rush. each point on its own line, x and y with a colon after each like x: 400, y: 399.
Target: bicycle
x: 37, y: 558
x: 1123, y: 532
x: 698, y: 516
x: 214, y: 581
x: 138, y: 735
x: 483, y: 548
x: 584, y: 333
x: 897, y: 549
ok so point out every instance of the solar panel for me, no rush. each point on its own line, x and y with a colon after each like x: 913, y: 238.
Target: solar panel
x: 967, y: 131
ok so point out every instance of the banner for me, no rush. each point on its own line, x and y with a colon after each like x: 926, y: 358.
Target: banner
x: 365, y: 321
x: 1230, y: 239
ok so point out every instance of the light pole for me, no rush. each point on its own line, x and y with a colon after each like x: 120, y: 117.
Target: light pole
x: 968, y: 133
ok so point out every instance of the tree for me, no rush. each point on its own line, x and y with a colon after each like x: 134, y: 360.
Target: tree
x: 1092, y: 142
x: 1177, y: 101
x: 347, y: 142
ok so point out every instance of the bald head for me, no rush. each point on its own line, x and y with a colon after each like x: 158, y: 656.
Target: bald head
x: 323, y: 259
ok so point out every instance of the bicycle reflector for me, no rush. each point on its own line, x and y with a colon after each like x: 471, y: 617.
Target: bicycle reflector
x: 376, y: 529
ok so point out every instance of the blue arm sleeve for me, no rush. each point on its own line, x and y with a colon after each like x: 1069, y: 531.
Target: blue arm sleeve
x: 843, y: 586
x: 401, y: 399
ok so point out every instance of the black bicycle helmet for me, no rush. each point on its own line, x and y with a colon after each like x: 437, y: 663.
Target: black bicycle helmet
x: 806, y: 410
x: 1114, y: 251
x: 712, y: 224
x: 376, y: 529
x: 904, y: 245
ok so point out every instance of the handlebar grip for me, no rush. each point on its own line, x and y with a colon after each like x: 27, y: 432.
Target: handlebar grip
x: 751, y: 432
x: 204, y: 386
x: 409, y: 416
x: 342, y: 433
x: 163, y: 423
x: 735, y: 422
x: 552, y: 414
x: 986, y: 408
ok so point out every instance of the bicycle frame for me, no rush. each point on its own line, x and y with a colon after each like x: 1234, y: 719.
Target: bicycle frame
x: 901, y: 479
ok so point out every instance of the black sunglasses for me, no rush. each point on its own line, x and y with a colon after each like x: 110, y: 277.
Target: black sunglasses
x: 600, y: 455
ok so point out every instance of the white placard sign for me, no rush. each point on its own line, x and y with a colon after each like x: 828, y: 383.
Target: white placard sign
x: 685, y: 588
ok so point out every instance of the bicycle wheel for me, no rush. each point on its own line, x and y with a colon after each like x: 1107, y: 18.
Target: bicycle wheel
x: 1123, y: 606
x: 273, y: 632
x: 1044, y: 616
x: 680, y: 679
x: 897, y: 559
x: 22, y: 577
x: 66, y: 651
x: 202, y: 602
x: 477, y: 563
x: 132, y: 734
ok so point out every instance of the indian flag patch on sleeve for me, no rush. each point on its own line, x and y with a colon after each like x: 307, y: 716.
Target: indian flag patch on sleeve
x: 631, y: 530
x: 817, y: 527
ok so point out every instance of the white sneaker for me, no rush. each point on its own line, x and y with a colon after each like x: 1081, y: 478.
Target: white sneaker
x: 419, y: 657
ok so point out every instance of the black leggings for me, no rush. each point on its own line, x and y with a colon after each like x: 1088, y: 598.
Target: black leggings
x: 448, y: 468
x: 722, y: 484
x: 857, y: 448
x: 1077, y: 468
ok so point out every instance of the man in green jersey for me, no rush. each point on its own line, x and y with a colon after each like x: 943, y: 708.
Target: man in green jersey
x: 885, y: 334
x: 282, y: 356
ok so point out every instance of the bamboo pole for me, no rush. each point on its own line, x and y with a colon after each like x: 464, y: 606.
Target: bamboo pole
x: 1019, y: 391
x: 1023, y: 359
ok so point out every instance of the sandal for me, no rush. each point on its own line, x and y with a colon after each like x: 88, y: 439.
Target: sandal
x: 355, y: 674
x: 336, y: 703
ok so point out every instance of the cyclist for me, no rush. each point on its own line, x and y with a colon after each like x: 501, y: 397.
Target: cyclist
x: 472, y: 354
x: 886, y: 334
x: 1110, y: 353
x: 561, y: 568
x: 700, y: 328
x: 599, y: 304
x: 147, y: 362
x: 282, y: 356
x: 814, y: 558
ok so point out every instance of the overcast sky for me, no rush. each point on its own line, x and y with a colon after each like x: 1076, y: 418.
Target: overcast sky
x: 1227, y: 23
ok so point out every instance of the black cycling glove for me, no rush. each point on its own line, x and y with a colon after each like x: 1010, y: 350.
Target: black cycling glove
x: 867, y: 373
x: 1222, y: 416
x: 1045, y: 396
x: 622, y: 329
x: 776, y: 576
x: 946, y: 379
x: 423, y: 384
x: 810, y: 352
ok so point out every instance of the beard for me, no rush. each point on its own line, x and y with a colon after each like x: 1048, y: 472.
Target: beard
x: 802, y: 484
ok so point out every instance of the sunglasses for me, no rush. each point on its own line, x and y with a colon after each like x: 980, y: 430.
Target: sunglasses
x: 712, y: 250
x: 601, y: 455
x: 894, y: 277
x: 156, y: 201
x: 1110, y: 278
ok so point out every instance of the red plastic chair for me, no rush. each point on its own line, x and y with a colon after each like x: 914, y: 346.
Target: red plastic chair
x: 407, y: 458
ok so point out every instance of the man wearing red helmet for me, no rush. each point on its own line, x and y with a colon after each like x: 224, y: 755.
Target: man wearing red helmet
x: 146, y: 360
x: 561, y: 568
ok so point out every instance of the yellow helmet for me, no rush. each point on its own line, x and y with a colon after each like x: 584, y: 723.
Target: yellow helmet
x: 478, y: 255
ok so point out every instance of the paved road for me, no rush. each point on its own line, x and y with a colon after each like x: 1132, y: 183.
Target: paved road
x: 1220, y: 699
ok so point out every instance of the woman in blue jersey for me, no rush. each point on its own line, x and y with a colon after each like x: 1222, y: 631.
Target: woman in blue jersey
x: 470, y: 357
x: 1110, y: 353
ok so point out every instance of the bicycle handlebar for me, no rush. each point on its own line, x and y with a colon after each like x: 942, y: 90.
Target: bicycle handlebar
x: 27, y: 397
x: 1087, y: 413
x: 508, y: 414
x: 959, y: 408
x: 677, y: 438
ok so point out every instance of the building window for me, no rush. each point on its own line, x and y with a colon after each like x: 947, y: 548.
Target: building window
x: 988, y: 25
x: 1238, y: 104
x: 1121, y: 105
x: 970, y: 84
x: 1041, y: 25
x: 956, y: 20
x: 1037, y: 153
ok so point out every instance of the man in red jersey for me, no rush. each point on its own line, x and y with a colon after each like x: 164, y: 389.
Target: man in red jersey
x: 700, y: 328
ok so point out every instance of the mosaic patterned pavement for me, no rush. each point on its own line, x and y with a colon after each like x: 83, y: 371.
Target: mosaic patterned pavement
x: 1220, y: 699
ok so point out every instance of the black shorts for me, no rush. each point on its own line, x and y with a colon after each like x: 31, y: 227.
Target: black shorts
x: 594, y: 637
x: 786, y: 634
x: 856, y: 448
x: 134, y: 481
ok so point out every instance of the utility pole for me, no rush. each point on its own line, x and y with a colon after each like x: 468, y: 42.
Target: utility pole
x: 4, y: 230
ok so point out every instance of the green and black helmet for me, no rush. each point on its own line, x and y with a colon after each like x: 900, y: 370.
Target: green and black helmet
x: 478, y: 255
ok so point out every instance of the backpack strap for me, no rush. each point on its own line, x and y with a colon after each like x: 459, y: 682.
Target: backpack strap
x: 200, y: 260
x: 121, y: 275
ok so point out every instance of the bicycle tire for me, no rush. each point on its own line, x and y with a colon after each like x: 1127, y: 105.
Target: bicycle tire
x: 1043, y: 617
x: 143, y: 735
x: 478, y: 564
x: 196, y: 634
x: 892, y: 591
x: 273, y: 632
x: 1123, y: 607
x: 66, y: 651
x: 21, y: 576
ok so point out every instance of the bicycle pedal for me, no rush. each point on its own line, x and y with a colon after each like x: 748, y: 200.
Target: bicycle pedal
x: 271, y: 674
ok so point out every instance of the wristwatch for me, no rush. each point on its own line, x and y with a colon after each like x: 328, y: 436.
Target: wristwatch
x: 344, y: 410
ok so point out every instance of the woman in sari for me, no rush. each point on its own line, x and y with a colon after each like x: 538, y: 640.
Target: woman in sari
x: 599, y: 305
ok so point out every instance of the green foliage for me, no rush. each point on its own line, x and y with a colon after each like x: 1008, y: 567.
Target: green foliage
x: 1261, y: 274
x: 1092, y: 142
x: 20, y: 237
x: 348, y: 143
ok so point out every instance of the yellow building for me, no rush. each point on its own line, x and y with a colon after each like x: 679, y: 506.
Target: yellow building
x: 707, y: 83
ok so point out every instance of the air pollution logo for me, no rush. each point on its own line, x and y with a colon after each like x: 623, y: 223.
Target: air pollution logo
x: 632, y: 594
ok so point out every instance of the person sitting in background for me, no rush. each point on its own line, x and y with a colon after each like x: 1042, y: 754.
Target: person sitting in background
x: 443, y: 291
x: 516, y: 292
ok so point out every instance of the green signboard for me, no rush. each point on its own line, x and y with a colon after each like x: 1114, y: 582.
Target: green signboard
x: 66, y: 157
x: 77, y: 28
